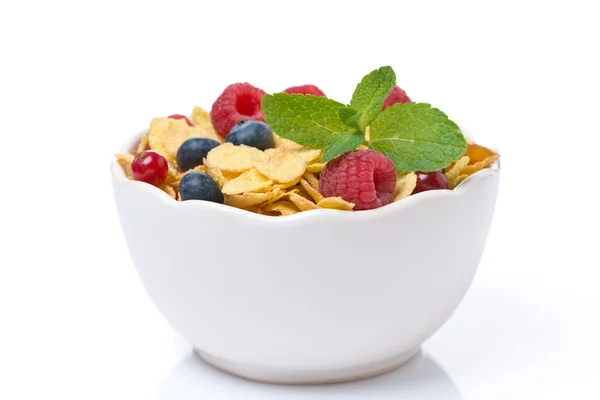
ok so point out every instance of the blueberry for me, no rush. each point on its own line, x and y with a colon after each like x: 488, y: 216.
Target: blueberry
x: 251, y: 133
x: 199, y: 186
x: 192, y: 151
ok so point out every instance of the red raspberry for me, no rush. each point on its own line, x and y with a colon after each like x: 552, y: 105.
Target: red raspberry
x: 238, y: 101
x: 397, y: 95
x: 305, y: 89
x: 364, y: 177
x: 179, y: 116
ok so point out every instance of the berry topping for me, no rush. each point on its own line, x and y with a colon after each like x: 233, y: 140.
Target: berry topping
x: 150, y: 167
x: 237, y: 102
x: 397, y: 95
x: 191, y: 152
x: 364, y: 177
x: 430, y: 181
x: 179, y: 116
x: 199, y: 186
x: 305, y: 89
x: 251, y: 133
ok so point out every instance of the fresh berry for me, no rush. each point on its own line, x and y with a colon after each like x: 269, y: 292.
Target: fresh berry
x: 305, y: 89
x: 364, y: 177
x: 251, y: 133
x: 237, y: 102
x: 150, y: 167
x: 199, y: 186
x: 397, y: 95
x: 191, y: 152
x: 430, y: 181
x: 179, y: 116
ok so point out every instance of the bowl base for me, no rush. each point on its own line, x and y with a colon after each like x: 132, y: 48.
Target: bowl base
x: 291, y: 376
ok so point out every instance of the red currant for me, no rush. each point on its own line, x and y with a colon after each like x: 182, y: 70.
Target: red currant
x: 150, y: 167
x: 179, y: 116
x: 430, y: 181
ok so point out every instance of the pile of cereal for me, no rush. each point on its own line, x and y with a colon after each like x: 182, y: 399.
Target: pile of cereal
x: 325, y: 155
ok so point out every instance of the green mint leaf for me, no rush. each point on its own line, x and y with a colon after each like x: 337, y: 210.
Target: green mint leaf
x: 305, y: 119
x: 345, y: 113
x: 371, y: 92
x: 339, y: 144
x: 350, y: 118
x: 417, y: 137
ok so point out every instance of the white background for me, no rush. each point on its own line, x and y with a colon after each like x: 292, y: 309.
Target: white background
x: 76, y: 79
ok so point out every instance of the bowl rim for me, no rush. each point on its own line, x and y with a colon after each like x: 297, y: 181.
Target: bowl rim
x: 119, y: 175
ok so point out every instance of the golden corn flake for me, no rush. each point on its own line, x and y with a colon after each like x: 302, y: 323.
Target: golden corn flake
x: 475, y: 159
x: 286, y: 143
x: 288, y: 184
x: 308, y: 155
x: 316, y: 167
x: 167, y: 134
x: 142, y: 146
x: 455, y: 181
x: 312, y: 179
x: 301, y: 202
x: 336, y: 203
x: 314, y: 193
x: 283, y: 207
x: 249, y: 181
x: 169, y: 190
x: 456, y: 168
x: 215, y: 173
x: 480, y: 158
x: 478, y: 153
x: 278, y: 194
x: 246, y: 200
x: 405, y: 184
x: 173, y: 174
x: 279, y: 164
x: 201, y: 120
x: 231, y: 158
x: 125, y: 161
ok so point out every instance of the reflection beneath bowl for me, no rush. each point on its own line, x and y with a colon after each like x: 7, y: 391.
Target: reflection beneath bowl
x: 421, y: 378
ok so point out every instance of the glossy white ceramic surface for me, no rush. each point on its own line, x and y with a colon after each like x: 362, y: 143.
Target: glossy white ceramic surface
x: 319, y: 296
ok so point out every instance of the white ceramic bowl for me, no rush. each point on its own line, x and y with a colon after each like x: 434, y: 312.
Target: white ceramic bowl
x: 319, y: 296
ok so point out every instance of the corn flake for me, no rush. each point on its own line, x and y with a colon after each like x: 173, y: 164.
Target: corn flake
x: 231, y: 158
x: 125, y: 161
x: 215, y: 173
x: 312, y: 180
x: 314, y: 193
x: 405, y: 184
x: 336, y: 203
x: 288, y: 184
x: 249, y: 181
x: 283, y: 207
x: 279, y: 164
x: 246, y: 200
x: 316, y: 167
x: 286, y: 143
x: 456, y: 169
x: 201, y: 119
x: 302, y: 203
x: 142, y: 146
x: 308, y: 155
x: 167, y: 134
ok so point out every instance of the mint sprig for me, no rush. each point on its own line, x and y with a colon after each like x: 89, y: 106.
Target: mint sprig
x: 305, y: 119
x: 415, y: 136
x: 370, y: 93
x: 339, y: 144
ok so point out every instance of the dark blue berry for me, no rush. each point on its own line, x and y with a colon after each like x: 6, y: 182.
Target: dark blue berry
x: 192, y: 151
x: 251, y: 133
x: 199, y: 186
